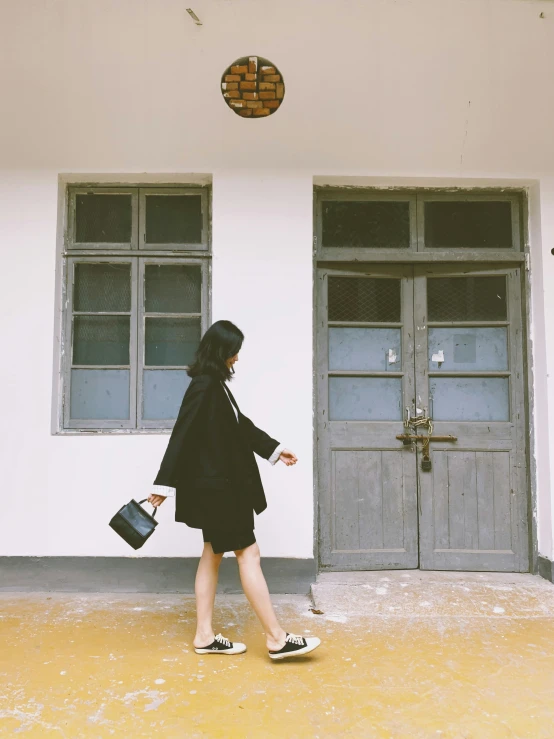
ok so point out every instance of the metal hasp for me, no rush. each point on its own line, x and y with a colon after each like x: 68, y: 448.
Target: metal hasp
x: 409, y: 439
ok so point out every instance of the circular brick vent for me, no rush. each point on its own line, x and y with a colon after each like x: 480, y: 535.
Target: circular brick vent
x: 253, y: 87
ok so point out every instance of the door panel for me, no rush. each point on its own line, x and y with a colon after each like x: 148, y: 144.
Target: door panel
x: 443, y: 342
x: 368, y: 486
x: 369, y: 500
x: 469, y: 374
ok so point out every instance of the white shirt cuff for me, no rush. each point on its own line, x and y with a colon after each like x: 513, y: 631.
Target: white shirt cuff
x: 164, y: 490
x: 276, y: 454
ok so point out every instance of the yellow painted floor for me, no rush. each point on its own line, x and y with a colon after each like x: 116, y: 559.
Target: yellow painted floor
x: 404, y: 656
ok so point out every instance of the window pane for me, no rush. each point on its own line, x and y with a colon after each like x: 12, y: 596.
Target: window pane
x: 163, y: 392
x: 103, y: 219
x: 102, y: 288
x: 470, y: 398
x: 173, y: 288
x: 478, y: 225
x: 101, y: 340
x: 100, y: 394
x: 366, y: 223
x: 364, y: 299
x: 171, y: 341
x: 173, y: 219
x: 364, y: 349
x: 466, y: 298
x: 458, y: 349
x: 365, y: 398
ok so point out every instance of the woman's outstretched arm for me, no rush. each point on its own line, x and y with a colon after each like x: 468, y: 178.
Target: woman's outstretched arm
x: 265, y: 446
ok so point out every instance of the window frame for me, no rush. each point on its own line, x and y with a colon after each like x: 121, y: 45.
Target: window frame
x: 137, y: 255
x: 172, y: 191
x: 417, y: 251
x: 79, y: 423
x: 142, y: 315
x: 337, y: 252
x: 469, y: 197
x: 72, y: 243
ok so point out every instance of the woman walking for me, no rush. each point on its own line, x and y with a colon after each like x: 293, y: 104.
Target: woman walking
x: 209, y: 466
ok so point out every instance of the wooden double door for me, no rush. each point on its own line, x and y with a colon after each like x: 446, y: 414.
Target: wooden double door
x: 421, y: 351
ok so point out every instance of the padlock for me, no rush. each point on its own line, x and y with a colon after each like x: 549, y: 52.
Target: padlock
x: 426, y: 465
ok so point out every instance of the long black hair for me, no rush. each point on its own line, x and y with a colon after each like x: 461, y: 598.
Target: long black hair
x: 220, y: 342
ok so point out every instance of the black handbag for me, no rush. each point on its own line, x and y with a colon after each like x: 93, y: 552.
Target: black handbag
x: 134, y: 524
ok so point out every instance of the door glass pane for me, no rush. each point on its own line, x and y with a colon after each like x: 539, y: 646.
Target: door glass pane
x: 365, y: 223
x: 477, y: 225
x: 163, y: 392
x: 102, y: 288
x: 364, y: 349
x: 458, y: 349
x: 171, y: 341
x: 100, y: 394
x: 466, y: 298
x: 103, y: 219
x: 365, y: 398
x: 173, y: 219
x: 364, y: 299
x: 101, y: 340
x: 172, y: 288
x: 470, y: 398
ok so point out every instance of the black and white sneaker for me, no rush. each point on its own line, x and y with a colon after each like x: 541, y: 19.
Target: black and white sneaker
x: 296, y: 646
x: 221, y: 645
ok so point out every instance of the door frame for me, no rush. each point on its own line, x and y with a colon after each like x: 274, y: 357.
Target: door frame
x: 360, y: 259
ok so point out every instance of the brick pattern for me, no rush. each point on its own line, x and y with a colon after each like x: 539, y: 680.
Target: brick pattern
x: 253, y: 87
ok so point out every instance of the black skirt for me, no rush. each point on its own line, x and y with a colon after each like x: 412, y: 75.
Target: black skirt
x: 229, y: 541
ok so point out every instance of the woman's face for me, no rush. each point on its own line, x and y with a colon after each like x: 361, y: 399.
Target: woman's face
x: 231, y: 361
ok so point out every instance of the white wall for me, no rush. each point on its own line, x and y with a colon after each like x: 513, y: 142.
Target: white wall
x: 447, y: 90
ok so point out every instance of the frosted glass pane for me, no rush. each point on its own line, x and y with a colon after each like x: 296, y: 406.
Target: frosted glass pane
x: 101, y: 340
x: 102, y: 288
x: 368, y: 223
x: 468, y: 349
x: 171, y: 341
x: 478, y: 225
x: 172, y: 288
x: 365, y: 398
x: 466, y: 298
x: 163, y: 392
x: 364, y: 349
x: 470, y: 398
x: 173, y: 219
x: 103, y: 218
x: 99, y: 394
x: 364, y: 299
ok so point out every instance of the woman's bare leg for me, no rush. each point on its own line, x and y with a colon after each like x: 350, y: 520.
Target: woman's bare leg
x: 204, y: 588
x: 255, y: 589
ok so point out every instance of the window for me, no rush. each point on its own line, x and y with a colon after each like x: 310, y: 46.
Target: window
x: 136, y: 304
x: 372, y: 224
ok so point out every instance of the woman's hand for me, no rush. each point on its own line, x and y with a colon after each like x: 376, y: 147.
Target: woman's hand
x: 156, y: 500
x: 288, y: 457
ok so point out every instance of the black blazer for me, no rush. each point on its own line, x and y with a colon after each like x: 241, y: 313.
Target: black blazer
x: 210, y: 460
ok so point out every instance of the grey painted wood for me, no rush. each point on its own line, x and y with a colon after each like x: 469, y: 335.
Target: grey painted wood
x: 142, y: 422
x: 71, y: 240
x: 391, y: 256
x: 485, y: 510
x: 76, y: 423
x: 513, y: 198
x: 485, y: 537
x: 172, y: 191
x: 367, y: 483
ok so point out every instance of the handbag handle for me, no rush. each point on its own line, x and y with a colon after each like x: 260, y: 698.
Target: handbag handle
x: 144, y: 501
